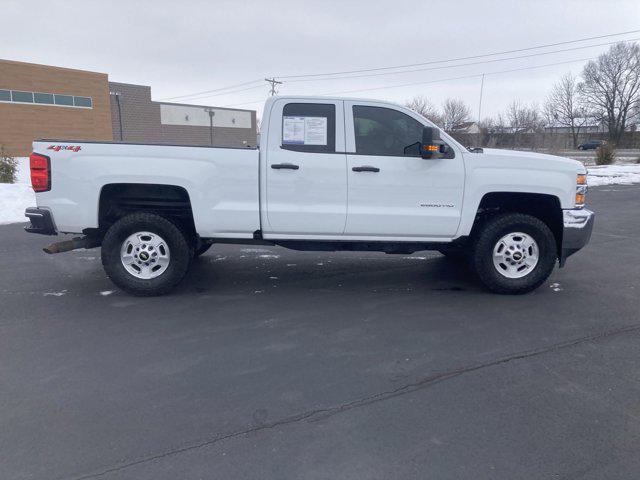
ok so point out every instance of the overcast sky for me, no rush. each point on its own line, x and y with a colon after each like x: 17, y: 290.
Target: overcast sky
x: 182, y: 47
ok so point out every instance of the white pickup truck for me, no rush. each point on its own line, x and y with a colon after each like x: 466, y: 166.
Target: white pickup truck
x: 330, y: 174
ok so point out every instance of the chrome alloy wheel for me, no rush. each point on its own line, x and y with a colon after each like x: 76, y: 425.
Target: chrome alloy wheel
x: 515, y: 255
x: 145, y: 255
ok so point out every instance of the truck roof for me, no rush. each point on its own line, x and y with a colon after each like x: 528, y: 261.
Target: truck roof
x: 331, y: 97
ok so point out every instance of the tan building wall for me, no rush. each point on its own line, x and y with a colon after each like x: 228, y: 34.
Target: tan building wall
x: 21, y: 124
x: 137, y: 119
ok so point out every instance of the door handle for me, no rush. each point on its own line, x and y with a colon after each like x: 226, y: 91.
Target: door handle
x: 366, y: 168
x: 286, y: 166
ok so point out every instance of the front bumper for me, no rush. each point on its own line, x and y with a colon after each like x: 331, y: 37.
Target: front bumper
x: 41, y: 221
x: 576, y: 232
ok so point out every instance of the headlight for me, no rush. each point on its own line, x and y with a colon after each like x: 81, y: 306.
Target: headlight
x: 581, y: 190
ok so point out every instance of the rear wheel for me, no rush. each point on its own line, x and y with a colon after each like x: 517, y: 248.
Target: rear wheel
x: 145, y: 254
x: 514, y: 253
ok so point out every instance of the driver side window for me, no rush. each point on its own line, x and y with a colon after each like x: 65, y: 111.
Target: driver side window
x: 384, y: 131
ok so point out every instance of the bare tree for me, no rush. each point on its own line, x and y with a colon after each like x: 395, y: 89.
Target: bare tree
x: 563, y: 107
x: 424, y: 107
x: 611, y: 86
x: 454, y: 113
x: 523, y: 119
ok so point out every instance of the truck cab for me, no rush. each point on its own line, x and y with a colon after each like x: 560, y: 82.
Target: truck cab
x: 330, y: 174
x: 364, y: 179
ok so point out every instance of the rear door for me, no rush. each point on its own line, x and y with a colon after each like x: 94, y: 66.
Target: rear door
x: 306, y: 169
x: 393, y: 192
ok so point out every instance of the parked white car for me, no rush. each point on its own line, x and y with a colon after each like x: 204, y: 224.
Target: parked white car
x: 330, y: 174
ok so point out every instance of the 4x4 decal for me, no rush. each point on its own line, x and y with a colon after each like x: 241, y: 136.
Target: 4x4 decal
x: 57, y: 148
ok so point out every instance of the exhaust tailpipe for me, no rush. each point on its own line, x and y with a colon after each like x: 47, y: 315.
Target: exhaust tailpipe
x: 73, y: 244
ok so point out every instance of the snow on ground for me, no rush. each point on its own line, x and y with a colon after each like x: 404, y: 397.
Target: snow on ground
x: 14, y: 198
x: 613, y: 175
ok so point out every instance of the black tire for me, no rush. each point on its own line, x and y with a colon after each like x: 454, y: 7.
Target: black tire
x: 180, y: 250
x: 489, y: 235
x: 200, y: 250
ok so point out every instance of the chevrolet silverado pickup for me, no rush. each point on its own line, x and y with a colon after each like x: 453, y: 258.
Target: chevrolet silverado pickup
x: 329, y: 174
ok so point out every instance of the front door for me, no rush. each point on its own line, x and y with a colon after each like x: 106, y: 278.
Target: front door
x: 393, y: 192
x: 306, y: 169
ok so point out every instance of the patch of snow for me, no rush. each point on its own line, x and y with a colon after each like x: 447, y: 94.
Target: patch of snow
x: 555, y: 287
x: 415, y: 258
x: 16, y: 197
x: 273, y: 278
x: 55, y: 294
x: 268, y: 256
x: 253, y: 250
x: 613, y: 175
x: 106, y: 292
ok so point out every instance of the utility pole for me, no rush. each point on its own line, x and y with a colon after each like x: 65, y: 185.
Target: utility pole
x: 117, y: 96
x: 273, y: 83
x: 480, y: 112
x: 480, y: 104
x: 211, y: 113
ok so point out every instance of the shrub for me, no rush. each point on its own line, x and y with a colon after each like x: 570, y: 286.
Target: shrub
x: 605, y: 154
x: 8, y: 167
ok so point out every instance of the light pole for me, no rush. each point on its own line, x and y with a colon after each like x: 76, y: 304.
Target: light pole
x: 211, y: 113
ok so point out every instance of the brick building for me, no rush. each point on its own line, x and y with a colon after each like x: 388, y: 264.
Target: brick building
x: 136, y: 118
x: 40, y: 101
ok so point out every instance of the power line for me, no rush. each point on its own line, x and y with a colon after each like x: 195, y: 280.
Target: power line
x: 224, y: 93
x: 477, y: 75
x: 211, y: 91
x: 228, y: 90
x: 460, y: 64
x: 440, y: 80
x: 458, y: 58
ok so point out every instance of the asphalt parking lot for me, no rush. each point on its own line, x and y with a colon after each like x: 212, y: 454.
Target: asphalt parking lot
x: 268, y: 363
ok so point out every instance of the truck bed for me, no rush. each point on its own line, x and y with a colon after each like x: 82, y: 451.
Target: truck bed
x: 222, y: 183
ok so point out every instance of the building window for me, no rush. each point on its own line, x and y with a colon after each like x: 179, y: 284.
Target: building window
x: 19, y: 96
x: 82, y: 102
x: 22, y: 97
x: 44, y: 98
x: 66, y: 100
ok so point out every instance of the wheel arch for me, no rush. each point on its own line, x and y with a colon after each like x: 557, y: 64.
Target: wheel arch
x: 119, y: 199
x: 545, y: 207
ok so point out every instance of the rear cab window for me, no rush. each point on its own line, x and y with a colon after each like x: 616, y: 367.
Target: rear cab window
x: 309, y: 127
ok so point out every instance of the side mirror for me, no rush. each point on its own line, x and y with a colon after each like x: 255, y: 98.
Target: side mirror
x: 432, y: 147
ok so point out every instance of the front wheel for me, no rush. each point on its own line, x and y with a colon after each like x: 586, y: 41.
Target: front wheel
x: 145, y: 254
x: 514, y: 253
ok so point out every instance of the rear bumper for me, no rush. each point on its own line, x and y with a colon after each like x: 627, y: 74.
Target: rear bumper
x: 577, y: 228
x: 41, y: 221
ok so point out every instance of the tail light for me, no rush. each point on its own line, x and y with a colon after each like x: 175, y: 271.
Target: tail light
x: 40, y: 172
